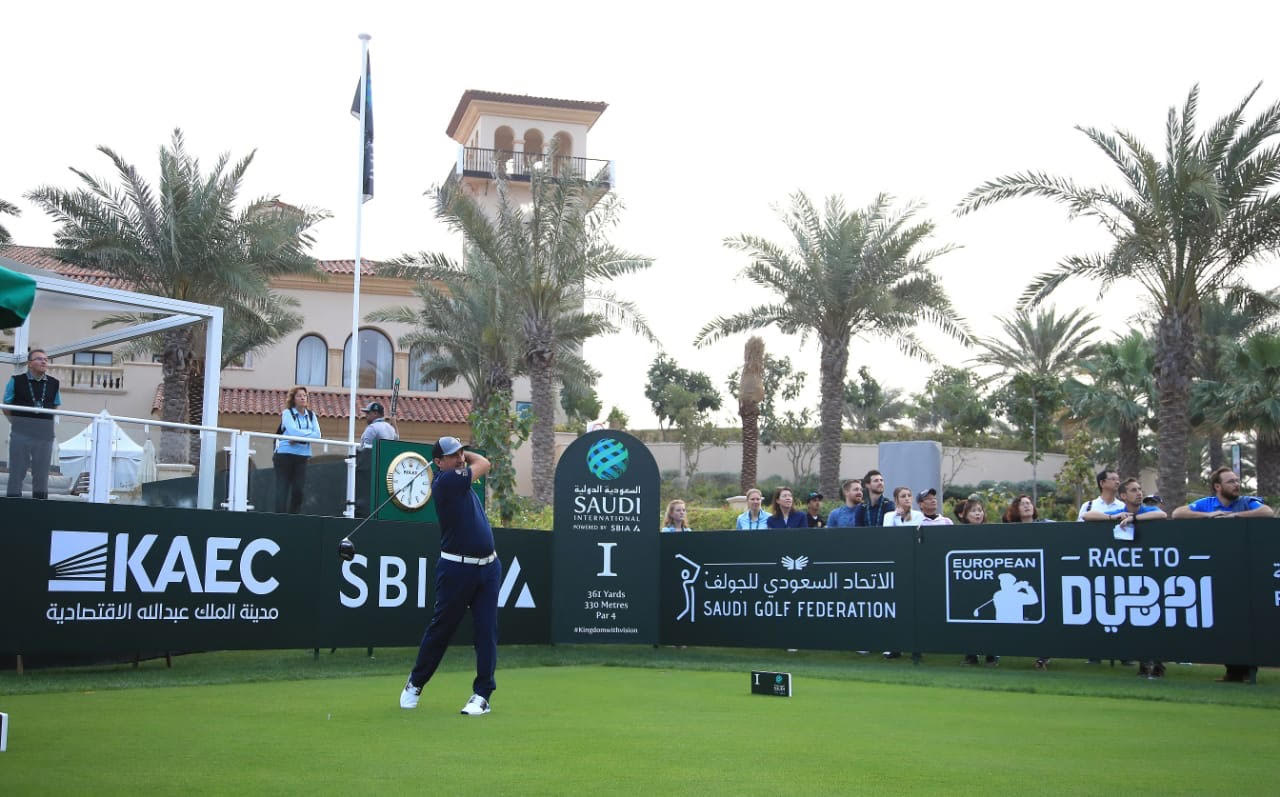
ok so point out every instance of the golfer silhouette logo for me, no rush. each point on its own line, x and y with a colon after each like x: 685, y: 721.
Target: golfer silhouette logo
x: 996, y: 586
x: 688, y: 575
x: 1010, y: 599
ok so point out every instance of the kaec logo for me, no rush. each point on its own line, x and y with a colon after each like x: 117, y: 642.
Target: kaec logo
x: 607, y: 459
x: 82, y: 561
x: 1005, y: 586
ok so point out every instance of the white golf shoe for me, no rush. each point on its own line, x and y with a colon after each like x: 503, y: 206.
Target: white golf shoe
x: 409, y: 697
x: 476, y: 706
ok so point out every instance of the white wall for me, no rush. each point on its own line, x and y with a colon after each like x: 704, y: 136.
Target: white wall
x: 959, y: 465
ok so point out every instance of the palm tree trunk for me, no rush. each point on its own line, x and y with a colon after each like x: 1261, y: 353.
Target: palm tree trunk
x: 543, y: 433
x: 835, y: 364
x: 1129, y: 458
x: 750, y: 444
x: 175, y: 363
x: 1268, y: 465
x: 1215, y: 450
x: 1175, y: 365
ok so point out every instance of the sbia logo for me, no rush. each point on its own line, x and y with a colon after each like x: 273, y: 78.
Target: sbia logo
x: 393, y: 583
x: 95, y: 561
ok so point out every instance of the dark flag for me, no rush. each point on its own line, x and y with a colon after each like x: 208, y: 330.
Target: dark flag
x: 368, y: 127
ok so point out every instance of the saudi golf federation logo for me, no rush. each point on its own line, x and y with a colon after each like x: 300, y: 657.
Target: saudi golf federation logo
x: 607, y: 459
x: 990, y: 586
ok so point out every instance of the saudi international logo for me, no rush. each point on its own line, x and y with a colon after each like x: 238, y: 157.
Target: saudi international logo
x: 607, y: 459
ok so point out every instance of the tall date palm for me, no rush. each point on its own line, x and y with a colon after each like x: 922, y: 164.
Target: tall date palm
x: 1184, y: 225
x: 186, y: 239
x: 848, y: 271
x: 554, y: 257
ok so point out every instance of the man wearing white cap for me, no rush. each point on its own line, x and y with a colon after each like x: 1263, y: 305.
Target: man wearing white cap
x: 468, y: 574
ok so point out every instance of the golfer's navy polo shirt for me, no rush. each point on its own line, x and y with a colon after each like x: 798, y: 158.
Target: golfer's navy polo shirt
x: 464, y: 529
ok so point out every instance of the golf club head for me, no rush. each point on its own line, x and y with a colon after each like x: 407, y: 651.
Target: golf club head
x: 346, y: 550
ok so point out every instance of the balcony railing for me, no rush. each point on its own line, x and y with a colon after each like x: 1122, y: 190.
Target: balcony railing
x: 89, y: 378
x: 490, y: 163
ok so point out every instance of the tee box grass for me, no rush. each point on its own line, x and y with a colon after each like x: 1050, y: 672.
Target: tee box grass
x: 635, y: 720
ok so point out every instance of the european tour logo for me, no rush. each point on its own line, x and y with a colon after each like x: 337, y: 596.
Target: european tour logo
x: 995, y: 586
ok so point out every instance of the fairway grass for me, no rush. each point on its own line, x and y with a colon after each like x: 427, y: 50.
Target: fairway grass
x: 588, y: 728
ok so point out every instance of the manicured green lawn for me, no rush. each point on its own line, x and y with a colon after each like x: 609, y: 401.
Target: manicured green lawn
x: 587, y: 724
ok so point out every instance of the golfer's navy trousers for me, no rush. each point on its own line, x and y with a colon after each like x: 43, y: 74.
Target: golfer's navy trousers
x: 459, y: 586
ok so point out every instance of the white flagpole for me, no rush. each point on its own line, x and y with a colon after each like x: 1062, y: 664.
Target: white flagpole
x: 353, y: 365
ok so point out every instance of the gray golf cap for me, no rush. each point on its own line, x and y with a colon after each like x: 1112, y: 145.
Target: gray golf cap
x: 446, y: 446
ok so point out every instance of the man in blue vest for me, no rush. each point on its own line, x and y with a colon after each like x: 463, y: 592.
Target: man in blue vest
x: 31, y: 433
x: 468, y: 574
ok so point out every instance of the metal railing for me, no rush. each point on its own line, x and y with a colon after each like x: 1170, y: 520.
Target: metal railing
x: 491, y: 163
x: 238, y: 456
x: 90, y: 378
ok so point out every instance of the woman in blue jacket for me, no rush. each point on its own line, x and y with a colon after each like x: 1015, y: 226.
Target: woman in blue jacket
x: 290, y: 459
x: 784, y: 515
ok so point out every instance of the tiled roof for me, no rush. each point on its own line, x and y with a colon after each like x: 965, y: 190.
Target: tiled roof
x: 367, y: 267
x: 331, y: 404
x: 42, y: 257
x: 471, y: 95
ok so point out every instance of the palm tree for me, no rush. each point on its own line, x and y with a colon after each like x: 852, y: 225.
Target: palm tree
x: 12, y: 210
x: 1182, y: 229
x: 552, y: 253
x: 1252, y: 402
x: 1117, y: 398
x: 869, y: 406
x: 1043, y: 344
x: 185, y: 240
x: 468, y: 333
x: 850, y: 270
x: 750, y: 395
x: 1225, y: 321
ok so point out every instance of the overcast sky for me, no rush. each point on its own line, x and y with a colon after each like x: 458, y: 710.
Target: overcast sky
x: 717, y: 111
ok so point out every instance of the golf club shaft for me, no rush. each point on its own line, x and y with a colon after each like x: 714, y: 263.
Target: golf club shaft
x: 375, y: 512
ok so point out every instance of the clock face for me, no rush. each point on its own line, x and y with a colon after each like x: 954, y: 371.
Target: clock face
x: 409, y: 481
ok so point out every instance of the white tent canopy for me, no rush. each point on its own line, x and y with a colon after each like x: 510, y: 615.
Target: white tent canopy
x: 54, y: 292
x: 126, y: 456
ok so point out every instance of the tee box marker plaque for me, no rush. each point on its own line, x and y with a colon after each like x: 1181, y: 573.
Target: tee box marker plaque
x: 775, y: 684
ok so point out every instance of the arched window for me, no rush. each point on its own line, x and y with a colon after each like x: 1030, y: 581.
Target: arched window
x: 562, y: 146
x: 376, y: 364
x: 312, y: 367
x: 503, y: 148
x: 418, y: 357
x: 532, y: 147
x: 503, y: 138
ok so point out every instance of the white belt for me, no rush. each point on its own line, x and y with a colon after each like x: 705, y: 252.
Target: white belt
x: 469, y: 560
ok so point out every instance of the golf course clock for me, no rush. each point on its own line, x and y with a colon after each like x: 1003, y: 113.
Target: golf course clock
x: 399, y: 482
x: 409, y: 481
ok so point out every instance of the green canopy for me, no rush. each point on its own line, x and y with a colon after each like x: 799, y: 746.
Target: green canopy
x: 17, y: 293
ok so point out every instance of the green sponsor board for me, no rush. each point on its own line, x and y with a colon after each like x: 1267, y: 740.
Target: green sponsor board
x: 843, y: 589
x: 89, y: 577
x: 605, y: 546
x: 385, y: 596
x: 1264, y: 589
x: 85, y: 577
x: 1174, y: 593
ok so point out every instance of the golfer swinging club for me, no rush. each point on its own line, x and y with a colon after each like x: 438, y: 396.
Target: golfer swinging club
x: 468, y: 574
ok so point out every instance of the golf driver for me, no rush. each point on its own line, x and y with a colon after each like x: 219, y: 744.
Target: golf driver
x: 346, y: 548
